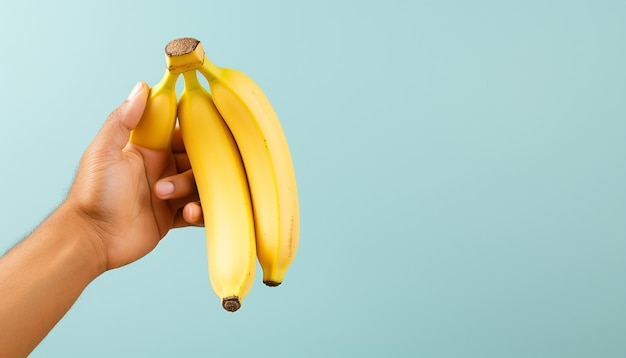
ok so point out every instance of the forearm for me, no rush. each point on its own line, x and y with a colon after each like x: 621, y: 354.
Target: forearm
x: 42, y: 277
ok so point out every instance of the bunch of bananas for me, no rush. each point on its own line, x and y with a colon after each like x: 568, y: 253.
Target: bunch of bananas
x: 241, y: 163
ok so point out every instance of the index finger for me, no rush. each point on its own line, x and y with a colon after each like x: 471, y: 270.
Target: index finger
x: 177, y: 141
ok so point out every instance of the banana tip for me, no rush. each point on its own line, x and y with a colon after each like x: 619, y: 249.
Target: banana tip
x: 231, y: 304
x: 271, y: 283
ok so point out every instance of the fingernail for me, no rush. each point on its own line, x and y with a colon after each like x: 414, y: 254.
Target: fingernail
x: 138, y: 87
x: 164, y: 188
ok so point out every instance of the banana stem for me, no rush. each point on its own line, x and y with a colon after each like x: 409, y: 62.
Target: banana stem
x: 169, y: 80
x: 191, y: 80
x: 209, y: 70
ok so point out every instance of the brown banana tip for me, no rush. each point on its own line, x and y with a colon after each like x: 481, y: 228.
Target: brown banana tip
x: 231, y: 304
x: 271, y: 283
x: 181, y: 46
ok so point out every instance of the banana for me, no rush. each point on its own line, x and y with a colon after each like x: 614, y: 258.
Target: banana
x: 224, y: 194
x: 268, y: 164
x: 157, y: 123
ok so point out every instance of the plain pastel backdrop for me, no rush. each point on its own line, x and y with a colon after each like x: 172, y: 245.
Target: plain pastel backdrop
x: 461, y: 168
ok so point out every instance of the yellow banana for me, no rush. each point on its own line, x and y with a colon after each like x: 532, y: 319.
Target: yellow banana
x: 156, y: 127
x: 157, y: 123
x: 224, y: 194
x: 268, y: 164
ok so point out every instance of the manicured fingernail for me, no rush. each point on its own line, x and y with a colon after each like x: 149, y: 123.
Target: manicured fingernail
x: 164, y: 188
x: 138, y: 87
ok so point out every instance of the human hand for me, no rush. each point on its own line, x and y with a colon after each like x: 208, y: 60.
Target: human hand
x: 130, y: 196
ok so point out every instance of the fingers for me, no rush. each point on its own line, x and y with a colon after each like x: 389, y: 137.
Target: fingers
x: 135, y: 105
x: 190, y: 214
x: 177, y: 141
x: 182, y: 162
x: 115, y: 132
x: 177, y: 186
x: 181, y: 188
x: 178, y: 150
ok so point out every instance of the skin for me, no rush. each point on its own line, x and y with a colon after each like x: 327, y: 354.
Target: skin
x: 123, y: 201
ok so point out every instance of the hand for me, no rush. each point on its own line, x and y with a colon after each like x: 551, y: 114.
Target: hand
x: 131, y: 196
x: 124, y: 199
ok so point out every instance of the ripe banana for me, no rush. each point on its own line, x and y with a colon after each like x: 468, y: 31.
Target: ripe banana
x: 224, y: 194
x: 157, y: 123
x: 268, y: 164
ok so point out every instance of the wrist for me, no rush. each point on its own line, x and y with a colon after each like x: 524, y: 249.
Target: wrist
x: 82, y: 236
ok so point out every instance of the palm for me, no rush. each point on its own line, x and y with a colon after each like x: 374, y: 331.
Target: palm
x: 140, y: 220
x: 115, y: 192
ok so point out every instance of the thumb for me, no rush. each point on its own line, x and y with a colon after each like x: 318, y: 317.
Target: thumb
x: 115, y: 131
x: 135, y: 105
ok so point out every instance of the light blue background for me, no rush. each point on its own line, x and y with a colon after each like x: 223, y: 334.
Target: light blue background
x: 461, y: 167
